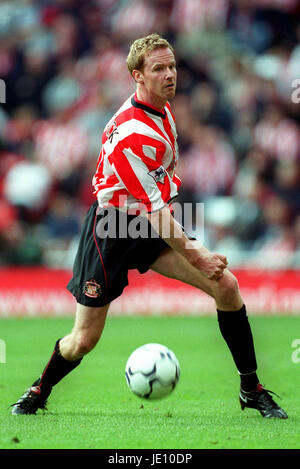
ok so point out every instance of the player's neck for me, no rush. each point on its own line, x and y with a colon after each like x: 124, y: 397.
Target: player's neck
x: 151, y: 100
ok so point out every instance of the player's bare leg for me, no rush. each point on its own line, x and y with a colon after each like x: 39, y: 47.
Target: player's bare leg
x: 233, y: 323
x: 224, y: 291
x: 67, y: 355
x: 87, y: 330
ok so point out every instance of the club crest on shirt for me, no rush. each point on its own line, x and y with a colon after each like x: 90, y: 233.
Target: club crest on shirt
x: 92, y: 289
x: 111, y: 131
x: 158, y: 174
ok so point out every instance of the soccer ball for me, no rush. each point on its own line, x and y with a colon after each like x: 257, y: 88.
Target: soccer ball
x: 152, y: 371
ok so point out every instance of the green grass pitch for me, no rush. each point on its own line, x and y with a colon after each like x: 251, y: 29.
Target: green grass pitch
x: 93, y: 407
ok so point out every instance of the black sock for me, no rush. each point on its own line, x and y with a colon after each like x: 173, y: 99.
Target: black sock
x: 236, y: 331
x: 249, y: 381
x: 56, y: 369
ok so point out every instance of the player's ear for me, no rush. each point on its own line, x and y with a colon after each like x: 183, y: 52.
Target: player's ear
x: 138, y: 76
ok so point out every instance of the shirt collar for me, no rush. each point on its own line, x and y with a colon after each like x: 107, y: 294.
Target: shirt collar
x: 146, y: 107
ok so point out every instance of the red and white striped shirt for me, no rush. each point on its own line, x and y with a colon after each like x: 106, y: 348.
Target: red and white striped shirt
x: 135, y: 169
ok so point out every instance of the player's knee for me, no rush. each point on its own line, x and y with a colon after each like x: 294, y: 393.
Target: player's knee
x: 227, y: 286
x: 84, y: 343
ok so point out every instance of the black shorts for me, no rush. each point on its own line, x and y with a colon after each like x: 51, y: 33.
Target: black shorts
x: 106, y: 253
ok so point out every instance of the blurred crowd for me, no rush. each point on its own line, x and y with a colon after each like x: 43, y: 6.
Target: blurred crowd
x: 237, y: 111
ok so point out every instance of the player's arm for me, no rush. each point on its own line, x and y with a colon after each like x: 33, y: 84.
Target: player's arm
x: 211, y: 265
x: 134, y: 169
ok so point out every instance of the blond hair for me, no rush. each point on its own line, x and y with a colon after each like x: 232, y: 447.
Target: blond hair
x: 140, y: 47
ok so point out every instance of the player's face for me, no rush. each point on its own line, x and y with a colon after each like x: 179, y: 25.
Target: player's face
x: 158, y: 77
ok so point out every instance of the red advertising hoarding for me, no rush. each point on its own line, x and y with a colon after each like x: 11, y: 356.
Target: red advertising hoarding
x: 42, y: 292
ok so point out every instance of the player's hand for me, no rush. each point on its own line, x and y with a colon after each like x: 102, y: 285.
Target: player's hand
x: 211, y: 265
